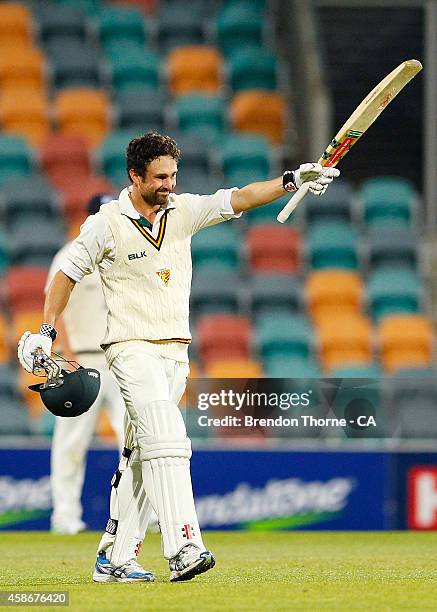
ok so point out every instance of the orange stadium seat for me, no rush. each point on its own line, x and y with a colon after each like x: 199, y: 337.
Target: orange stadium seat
x: 273, y: 248
x: 15, y: 24
x: 24, y: 288
x: 234, y: 368
x: 65, y: 155
x: 405, y: 341
x: 25, y: 112
x: 194, y: 69
x: 333, y: 293
x: 23, y: 320
x: 259, y: 112
x: 4, y: 340
x: 32, y: 399
x: 25, y: 67
x: 84, y: 112
x: 224, y: 337
x: 345, y: 341
x: 104, y: 428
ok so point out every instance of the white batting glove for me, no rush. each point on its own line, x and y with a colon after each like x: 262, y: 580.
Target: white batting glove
x: 317, y: 177
x: 28, y: 345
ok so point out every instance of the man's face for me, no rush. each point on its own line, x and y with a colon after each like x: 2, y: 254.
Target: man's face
x: 159, y: 181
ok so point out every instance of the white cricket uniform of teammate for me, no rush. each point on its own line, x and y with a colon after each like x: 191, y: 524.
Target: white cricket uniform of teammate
x: 146, y: 279
x: 85, y: 322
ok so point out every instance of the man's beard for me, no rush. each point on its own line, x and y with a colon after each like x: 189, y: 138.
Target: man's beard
x: 156, y: 198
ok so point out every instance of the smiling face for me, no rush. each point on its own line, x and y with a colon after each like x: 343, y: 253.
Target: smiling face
x: 158, y: 182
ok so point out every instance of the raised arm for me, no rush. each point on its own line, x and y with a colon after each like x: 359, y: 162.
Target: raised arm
x: 257, y: 194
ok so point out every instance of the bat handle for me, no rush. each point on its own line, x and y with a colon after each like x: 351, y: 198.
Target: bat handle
x: 297, y: 197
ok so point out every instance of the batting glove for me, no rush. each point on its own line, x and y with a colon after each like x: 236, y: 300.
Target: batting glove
x: 28, y: 345
x: 317, y: 177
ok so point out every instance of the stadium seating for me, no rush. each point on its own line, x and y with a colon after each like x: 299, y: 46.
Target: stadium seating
x: 200, y: 111
x: 133, y: 67
x: 25, y: 68
x: 286, y: 367
x: 240, y: 153
x: 34, y: 243
x: 259, y: 112
x: 288, y: 335
x: 65, y: 154
x: 178, y: 27
x: 346, y: 342
x: 224, y: 337
x: 112, y: 155
x: 15, y: 24
x: 25, y: 112
x: 333, y: 293
x: 15, y: 157
x: 215, y: 290
x: 61, y: 21
x: 273, y: 294
x: 406, y: 341
x: 219, y: 247
x: 273, y: 249
x: 334, y: 206
x: 194, y: 69
x: 234, y: 368
x: 392, y: 290
x: 140, y: 109
x: 239, y: 27
x: 28, y: 319
x: 84, y: 112
x: 32, y: 199
x: 74, y: 64
x: 77, y: 192
x: 395, y: 247
x: 332, y: 244
x: 121, y: 25
x: 253, y: 70
x: 388, y: 200
x: 4, y: 340
x: 3, y: 254
x: 24, y: 287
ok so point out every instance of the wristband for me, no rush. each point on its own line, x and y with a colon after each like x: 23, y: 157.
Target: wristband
x: 48, y: 330
x: 288, y: 181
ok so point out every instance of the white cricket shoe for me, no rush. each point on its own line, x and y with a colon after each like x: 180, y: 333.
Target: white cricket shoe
x: 189, y: 562
x: 131, y: 571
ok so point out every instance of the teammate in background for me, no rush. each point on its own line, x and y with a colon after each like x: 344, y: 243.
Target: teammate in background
x: 141, y: 246
x: 80, y: 331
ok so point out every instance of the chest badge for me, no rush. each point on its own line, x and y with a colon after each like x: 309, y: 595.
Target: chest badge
x: 164, y: 275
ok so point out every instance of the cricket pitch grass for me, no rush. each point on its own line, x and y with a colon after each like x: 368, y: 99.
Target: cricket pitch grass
x: 254, y: 571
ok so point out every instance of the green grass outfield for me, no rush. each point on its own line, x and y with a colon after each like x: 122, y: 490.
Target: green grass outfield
x: 254, y: 571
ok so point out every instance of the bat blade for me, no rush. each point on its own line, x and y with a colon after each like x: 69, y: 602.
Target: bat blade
x: 360, y: 120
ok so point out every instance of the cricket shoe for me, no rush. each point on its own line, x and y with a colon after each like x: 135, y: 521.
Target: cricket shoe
x: 68, y: 527
x: 189, y: 562
x: 131, y: 571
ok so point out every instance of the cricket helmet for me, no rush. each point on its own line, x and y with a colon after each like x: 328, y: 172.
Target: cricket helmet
x: 67, y: 393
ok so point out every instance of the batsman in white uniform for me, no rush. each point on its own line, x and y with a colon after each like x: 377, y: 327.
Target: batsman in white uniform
x: 140, y: 244
x: 83, y: 325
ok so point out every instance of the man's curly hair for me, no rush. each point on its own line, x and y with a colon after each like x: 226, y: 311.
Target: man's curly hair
x: 144, y: 149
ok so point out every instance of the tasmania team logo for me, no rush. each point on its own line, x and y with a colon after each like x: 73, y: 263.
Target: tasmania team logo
x: 164, y: 275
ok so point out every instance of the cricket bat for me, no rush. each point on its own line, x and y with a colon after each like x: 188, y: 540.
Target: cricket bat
x: 360, y: 120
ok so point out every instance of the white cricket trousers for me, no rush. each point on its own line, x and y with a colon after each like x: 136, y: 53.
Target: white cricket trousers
x: 71, y: 440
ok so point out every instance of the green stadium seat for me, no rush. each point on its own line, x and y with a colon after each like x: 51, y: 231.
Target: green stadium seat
x: 122, y: 25
x: 54, y: 21
x: 196, y: 112
x: 132, y: 67
x: 284, y: 335
x: 256, y: 69
x: 91, y: 8
x: 14, y: 418
x: 34, y: 245
x: 112, y: 155
x: 368, y: 371
x: 179, y: 27
x: 215, y: 291
x: 239, y: 177
x: 74, y: 63
x: 394, y: 290
x: 395, y: 247
x: 239, y: 28
x: 32, y: 198
x: 15, y: 157
x: 274, y: 294
x: 3, y: 253
x: 196, y: 181
x: 288, y: 367
x: 245, y: 153
x: 140, y: 109
x: 195, y: 153
x: 388, y: 200
x: 336, y: 204
x: 332, y: 245
x: 268, y: 213
x: 218, y: 247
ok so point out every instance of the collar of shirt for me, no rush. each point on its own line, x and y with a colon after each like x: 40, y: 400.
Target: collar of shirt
x: 127, y: 208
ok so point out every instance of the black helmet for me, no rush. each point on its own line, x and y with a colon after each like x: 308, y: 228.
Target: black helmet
x: 69, y: 394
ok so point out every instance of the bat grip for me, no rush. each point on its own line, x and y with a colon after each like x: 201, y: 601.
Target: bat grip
x: 297, y: 197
